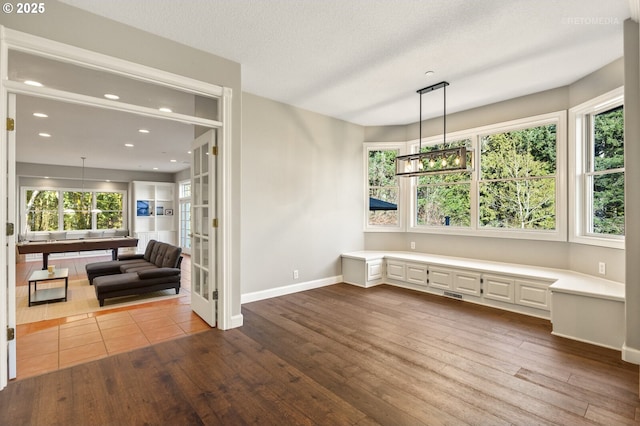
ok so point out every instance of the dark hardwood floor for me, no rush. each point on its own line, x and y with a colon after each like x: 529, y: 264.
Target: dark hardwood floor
x: 343, y: 355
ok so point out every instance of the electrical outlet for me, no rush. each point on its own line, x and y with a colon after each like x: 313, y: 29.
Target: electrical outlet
x: 295, y: 274
x: 602, y: 268
x: 413, y: 245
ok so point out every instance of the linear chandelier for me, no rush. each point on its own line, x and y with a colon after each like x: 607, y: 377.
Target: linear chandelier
x: 444, y: 160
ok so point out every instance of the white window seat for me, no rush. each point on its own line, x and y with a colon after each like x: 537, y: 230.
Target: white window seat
x: 581, y: 307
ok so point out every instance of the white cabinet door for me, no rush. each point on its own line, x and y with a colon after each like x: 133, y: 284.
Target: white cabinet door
x: 499, y: 288
x: 440, y: 278
x: 374, y: 270
x: 467, y: 282
x: 416, y: 273
x: 534, y: 294
x: 396, y: 270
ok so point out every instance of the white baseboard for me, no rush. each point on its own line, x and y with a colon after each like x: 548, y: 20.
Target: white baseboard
x: 289, y: 289
x: 631, y: 355
x: 591, y: 342
x: 237, y: 321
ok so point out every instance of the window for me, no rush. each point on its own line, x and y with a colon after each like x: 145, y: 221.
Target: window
x: 517, y: 184
x: 513, y: 187
x: 42, y: 210
x: 383, y: 188
x: 598, y: 164
x: 109, y: 214
x: 185, y: 216
x: 78, y: 210
x: 444, y: 199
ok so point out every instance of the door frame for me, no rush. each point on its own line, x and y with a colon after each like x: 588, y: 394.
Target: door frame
x: 27, y: 43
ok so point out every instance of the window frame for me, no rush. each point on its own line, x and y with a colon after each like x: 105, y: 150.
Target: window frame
x: 384, y: 146
x: 559, y: 118
x: 61, y: 191
x: 580, y: 202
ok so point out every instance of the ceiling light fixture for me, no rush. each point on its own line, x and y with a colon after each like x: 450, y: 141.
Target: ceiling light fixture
x: 40, y: 115
x: 44, y: 135
x: 429, y: 73
x: 173, y: 161
x: 129, y: 145
x: 111, y: 96
x: 165, y: 109
x: 445, y: 160
x: 33, y: 83
x: 143, y: 131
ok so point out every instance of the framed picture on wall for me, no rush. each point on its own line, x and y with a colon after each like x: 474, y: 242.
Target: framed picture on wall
x: 159, y: 211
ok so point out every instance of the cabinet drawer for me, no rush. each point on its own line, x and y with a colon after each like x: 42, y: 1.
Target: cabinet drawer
x: 416, y: 273
x: 534, y: 294
x: 499, y: 288
x: 396, y: 270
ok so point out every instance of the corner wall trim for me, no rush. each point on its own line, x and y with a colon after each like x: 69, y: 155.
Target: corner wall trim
x: 631, y: 355
x: 289, y: 289
x: 236, y: 321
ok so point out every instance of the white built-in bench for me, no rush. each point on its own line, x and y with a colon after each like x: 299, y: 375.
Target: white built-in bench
x: 581, y: 307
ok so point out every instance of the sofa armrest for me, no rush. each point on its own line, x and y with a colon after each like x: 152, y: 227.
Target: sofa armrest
x: 158, y: 273
x: 130, y: 256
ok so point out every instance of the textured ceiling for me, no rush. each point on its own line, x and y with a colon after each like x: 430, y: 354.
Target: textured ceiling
x: 363, y: 60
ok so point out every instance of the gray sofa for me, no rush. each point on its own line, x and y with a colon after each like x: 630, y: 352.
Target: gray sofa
x: 157, y: 269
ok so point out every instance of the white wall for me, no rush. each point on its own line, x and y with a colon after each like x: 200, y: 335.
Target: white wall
x: 302, y: 197
x: 631, y: 350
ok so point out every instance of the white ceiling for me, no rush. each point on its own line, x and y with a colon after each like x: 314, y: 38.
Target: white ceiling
x: 362, y: 60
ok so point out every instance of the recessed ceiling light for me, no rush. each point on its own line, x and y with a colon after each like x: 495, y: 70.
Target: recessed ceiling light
x: 44, y: 135
x: 155, y: 168
x: 128, y: 145
x: 46, y: 177
x: 188, y: 152
x: 429, y: 73
x: 111, y: 96
x: 40, y: 115
x: 143, y: 131
x: 173, y: 161
x: 33, y: 83
x: 165, y: 109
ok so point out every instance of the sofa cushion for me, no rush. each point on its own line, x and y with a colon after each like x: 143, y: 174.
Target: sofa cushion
x: 157, y: 273
x: 147, y: 252
x: 130, y: 283
x: 164, y: 255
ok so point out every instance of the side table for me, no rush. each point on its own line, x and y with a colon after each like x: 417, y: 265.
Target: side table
x: 44, y: 295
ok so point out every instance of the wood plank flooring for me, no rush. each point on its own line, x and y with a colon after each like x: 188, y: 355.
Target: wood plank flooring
x: 343, y: 355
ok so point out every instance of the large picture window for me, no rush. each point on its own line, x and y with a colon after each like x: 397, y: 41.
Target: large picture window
x: 60, y: 210
x: 517, y: 184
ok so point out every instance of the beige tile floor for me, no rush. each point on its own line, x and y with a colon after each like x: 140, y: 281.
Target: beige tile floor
x: 49, y: 345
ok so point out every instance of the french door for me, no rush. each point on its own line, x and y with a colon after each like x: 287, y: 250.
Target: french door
x: 7, y: 242
x: 204, y: 287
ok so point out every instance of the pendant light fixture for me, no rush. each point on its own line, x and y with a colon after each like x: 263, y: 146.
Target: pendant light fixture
x: 445, y: 160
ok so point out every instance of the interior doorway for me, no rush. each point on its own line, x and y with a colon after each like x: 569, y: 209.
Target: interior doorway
x: 213, y: 100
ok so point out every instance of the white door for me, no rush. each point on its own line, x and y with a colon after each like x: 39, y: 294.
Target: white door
x: 203, y: 231
x: 7, y: 250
